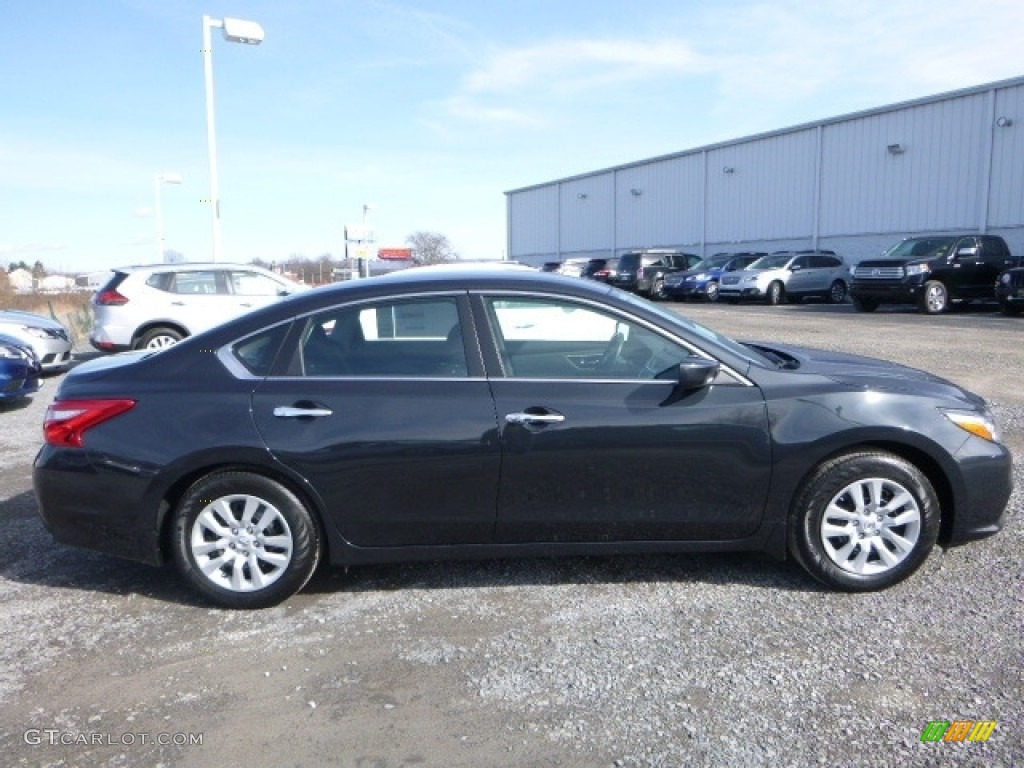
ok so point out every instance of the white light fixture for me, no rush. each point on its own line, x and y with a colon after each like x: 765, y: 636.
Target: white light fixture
x: 1004, y: 122
x: 158, y: 179
x: 235, y: 31
x: 895, y: 149
x: 582, y: 196
x: 728, y: 169
x: 636, y: 192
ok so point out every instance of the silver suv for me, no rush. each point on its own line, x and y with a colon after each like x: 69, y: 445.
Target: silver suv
x: 788, y: 276
x: 151, y: 307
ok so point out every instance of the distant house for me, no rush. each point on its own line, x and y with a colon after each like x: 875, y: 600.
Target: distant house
x: 21, y: 280
x: 57, y: 284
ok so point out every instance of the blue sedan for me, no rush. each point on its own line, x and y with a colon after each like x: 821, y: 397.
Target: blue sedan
x: 19, y: 369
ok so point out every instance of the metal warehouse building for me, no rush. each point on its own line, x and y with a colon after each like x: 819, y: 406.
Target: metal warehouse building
x: 854, y: 184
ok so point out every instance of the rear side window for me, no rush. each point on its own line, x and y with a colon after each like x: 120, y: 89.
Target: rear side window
x: 193, y: 283
x: 254, y: 284
x: 418, y: 338
x: 257, y: 353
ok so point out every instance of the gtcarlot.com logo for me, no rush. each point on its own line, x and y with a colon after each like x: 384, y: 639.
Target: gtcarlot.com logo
x: 959, y: 730
x: 53, y: 737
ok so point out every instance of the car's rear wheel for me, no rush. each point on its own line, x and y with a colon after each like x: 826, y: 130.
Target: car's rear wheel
x: 658, y: 290
x: 1008, y: 309
x: 712, y: 291
x: 837, y: 293
x: 864, y: 521
x: 244, y: 540
x: 159, y: 338
x: 935, y: 298
x: 776, y: 293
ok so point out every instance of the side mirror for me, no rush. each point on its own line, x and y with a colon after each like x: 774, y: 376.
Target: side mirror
x: 697, y: 373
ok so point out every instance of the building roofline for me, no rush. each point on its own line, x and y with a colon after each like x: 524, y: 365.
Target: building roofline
x: 972, y: 90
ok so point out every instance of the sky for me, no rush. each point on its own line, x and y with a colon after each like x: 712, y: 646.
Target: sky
x: 419, y: 116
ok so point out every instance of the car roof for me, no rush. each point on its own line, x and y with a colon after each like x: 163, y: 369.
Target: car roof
x: 186, y: 266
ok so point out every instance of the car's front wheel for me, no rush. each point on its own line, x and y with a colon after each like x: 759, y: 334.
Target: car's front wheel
x: 776, y: 293
x: 935, y: 298
x: 864, y: 521
x: 244, y: 540
x: 712, y: 291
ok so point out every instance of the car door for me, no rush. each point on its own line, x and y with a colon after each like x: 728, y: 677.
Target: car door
x: 599, y: 444
x: 803, y: 277
x: 198, y: 299
x: 964, y: 261
x: 251, y: 290
x: 383, y: 409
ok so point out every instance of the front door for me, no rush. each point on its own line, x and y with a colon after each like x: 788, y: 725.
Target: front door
x: 599, y: 443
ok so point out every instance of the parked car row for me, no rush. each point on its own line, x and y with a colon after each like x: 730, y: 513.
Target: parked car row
x: 932, y: 272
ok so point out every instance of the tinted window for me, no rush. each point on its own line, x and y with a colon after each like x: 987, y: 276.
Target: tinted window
x: 257, y: 353
x: 193, y: 283
x: 415, y: 338
x: 551, y: 339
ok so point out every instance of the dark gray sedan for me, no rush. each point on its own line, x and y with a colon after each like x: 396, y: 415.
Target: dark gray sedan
x: 506, y: 412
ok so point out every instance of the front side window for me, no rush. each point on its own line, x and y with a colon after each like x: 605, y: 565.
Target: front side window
x: 254, y: 284
x: 410, y: 338
x: 553, y: 339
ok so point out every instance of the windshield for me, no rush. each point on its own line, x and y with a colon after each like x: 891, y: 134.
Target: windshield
x: 749, y: 354
x: 774, y: 261
x: 919, y: 248
x: 711, y: 262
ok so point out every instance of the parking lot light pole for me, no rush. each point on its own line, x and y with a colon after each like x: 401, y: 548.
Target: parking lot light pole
x: 162, y: 178
x: 235, y: 31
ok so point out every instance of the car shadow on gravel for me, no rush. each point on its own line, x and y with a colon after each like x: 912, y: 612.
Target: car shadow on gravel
x: 30, y: 555
x: 718, y: 569
x: 18, y: 404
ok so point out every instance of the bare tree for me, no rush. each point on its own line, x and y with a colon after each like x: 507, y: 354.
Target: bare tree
x: 431, y: 248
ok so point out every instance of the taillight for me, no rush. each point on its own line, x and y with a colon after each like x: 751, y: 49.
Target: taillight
x: 109, y: 298
x: 67, y: 421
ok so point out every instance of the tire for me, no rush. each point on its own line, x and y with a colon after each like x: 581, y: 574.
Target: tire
x: 261, y: 564
x: 159, y: 338
x: 864, y: 305
x: 837, y: 293
x: 712, y: 291
x: 839, y: 535
x: 934, y: 299
x: 1008, y: 309
x: 776, y: 293
x: 658, y: 290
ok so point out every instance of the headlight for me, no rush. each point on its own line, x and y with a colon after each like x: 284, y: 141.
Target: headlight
x: 979, y: 424
x: 9, y: 352
x: 700, y: 276
x: 37, y: 332
x: 1005, y: 278
x: 918, y: 269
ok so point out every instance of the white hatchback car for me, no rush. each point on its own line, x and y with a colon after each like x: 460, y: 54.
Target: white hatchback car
x: 151, y: 307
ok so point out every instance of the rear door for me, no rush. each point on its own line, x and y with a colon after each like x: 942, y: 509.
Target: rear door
x: 383, y: 408
x: 599, y: 445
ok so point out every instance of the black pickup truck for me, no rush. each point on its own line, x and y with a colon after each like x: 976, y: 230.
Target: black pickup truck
x: 932, y: 272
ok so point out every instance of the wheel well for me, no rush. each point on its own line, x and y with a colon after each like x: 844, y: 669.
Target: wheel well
x: 925, y: 463
x: 172, y: 497
x: 142, y: 330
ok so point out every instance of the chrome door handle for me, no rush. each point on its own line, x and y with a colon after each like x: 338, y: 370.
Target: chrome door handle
x: 534, y: 418
x: 290, y: 412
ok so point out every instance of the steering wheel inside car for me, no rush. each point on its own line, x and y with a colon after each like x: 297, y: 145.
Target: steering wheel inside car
x: 610, y: 356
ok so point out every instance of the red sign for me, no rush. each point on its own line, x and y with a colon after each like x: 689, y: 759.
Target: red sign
x: 395, y: 254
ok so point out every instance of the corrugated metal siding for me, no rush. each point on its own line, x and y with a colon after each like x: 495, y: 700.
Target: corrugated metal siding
x: 830, y: 182
x: 769, y: 191
x: 535, y: 213
x: 1006, y: 186
x: 666, y: 207
x: 588, y: 214
x: 932, y: 184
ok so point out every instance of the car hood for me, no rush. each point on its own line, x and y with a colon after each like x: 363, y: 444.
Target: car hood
x: 859, y: 372
x: 17, y: 317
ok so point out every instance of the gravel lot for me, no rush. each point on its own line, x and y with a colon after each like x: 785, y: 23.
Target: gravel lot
x: 654, y: 661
